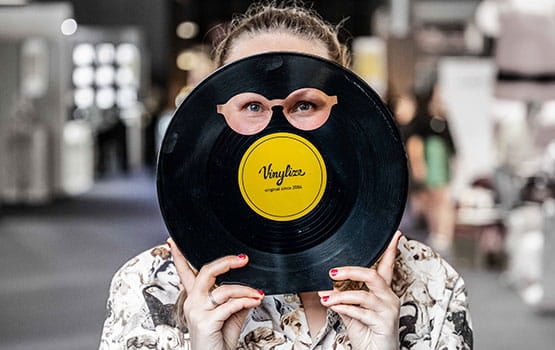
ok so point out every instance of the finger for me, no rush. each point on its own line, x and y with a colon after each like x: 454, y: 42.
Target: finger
x: 224, y: 293
x: 387, y: 263
x: 362, y: 299
x: 234, y: 306
x: 367, y: 300
x: 206, y: 277
x: 371, y: 277
x: 186, y: 273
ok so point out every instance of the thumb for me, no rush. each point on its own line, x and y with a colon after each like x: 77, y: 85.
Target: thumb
x: 387, y: 263
x: 187, y: 274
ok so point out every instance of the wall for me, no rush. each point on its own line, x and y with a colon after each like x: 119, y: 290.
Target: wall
x: 41, y: 21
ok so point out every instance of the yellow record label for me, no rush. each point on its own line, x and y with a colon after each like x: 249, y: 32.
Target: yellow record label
x: 282, y: 176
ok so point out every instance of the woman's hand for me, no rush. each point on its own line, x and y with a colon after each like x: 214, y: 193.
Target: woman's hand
x: 214, y: 316
x: 371, y: 317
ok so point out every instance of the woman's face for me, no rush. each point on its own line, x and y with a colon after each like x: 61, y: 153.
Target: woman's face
x: 306, y: 109
x: 249, y: 44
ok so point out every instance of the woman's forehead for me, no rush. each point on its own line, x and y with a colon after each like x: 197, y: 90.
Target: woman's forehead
x: 249, y: 44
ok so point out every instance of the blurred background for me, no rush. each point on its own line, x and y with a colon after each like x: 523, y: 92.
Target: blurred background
x: 87, y: 89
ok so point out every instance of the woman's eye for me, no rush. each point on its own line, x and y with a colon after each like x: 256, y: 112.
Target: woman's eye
x: 304, y: 106
x: 253, y: 107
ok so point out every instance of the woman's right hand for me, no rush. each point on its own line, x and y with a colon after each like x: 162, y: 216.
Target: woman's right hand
x: 214, y: 316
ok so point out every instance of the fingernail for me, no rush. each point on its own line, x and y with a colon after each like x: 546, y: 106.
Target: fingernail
x: 169, y: 244
x: 325, y: 298
x: 242, y: 256
x: 260, y: 291
x: 333, y: 272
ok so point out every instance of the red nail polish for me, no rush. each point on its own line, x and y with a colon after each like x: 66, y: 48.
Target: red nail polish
x: 260, y: 291
x: 169, y: 244
x: 325, y: 298
x: 242, y: 256
x: 333, y: 272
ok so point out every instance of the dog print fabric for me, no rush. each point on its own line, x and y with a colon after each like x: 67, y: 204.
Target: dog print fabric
x: 433, y: 315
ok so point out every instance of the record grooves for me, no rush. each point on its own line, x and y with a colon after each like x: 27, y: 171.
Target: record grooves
x: 297, y: 200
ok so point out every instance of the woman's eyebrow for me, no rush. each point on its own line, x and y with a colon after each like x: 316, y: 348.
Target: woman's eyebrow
x: 291, y: 94
x: 304, y: 91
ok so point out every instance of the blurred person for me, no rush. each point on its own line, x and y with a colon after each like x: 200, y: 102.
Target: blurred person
x: 200, y: 66
x: 404, y: 107
x: 410, y: 299
x: 430, y: 149
x: 111, y: 140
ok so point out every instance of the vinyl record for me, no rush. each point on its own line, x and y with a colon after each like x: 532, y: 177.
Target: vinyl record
x: 288, y: 158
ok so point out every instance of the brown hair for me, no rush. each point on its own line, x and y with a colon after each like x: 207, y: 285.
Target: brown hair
x: 290, y: 17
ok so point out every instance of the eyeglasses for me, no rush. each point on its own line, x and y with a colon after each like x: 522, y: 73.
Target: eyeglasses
x: 306, y: 109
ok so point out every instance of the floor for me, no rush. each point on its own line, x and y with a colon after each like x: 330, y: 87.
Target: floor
x: 57, y: 261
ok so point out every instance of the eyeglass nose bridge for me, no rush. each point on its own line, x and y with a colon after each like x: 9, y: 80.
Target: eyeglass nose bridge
x: 275, y: 103
x: 278, y: 107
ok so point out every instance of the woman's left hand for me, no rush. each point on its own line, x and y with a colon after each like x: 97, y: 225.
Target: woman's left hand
x: 371, y: 317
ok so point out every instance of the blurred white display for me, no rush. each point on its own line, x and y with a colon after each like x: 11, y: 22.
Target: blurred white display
x: 127, y: 54
x: 370, y: 61
x: 83, y: 98
x: 126, y: 98
x: 83, y: 55
x: 105, y: 98
x: 105, y: 53
x: 125, y: 76
x: 466, y: 86
x: 104, y: 76
x: 83, y: 76
x: 34, y: 67
x: 77, y: 158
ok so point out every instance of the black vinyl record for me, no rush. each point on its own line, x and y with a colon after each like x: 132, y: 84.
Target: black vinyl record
x: 288, y: 158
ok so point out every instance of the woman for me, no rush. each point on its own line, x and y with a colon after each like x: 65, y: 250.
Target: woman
x: 431, y: 151
x: 411, y: 299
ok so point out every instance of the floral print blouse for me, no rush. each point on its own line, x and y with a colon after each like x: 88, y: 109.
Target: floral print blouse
x: 433, y: 315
